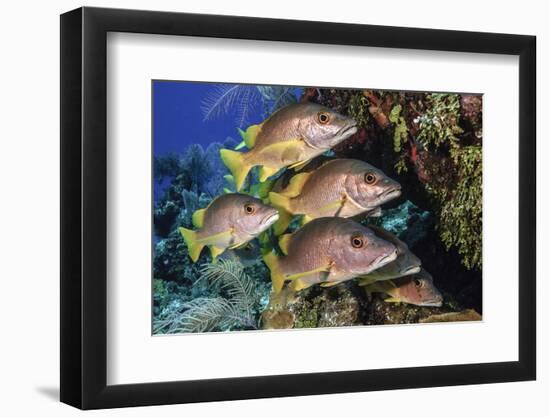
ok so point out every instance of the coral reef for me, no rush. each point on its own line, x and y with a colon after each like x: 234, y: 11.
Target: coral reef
x: 234, y: 303
x: 349, y: 305
x: 431, y: 143
x: 315, y: 307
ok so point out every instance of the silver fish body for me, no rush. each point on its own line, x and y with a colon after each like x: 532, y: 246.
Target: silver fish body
x: 417, y: 289
x: 291, y: 136
x: 229, y: 221
x: 328, y: 251
x: 339, y: 188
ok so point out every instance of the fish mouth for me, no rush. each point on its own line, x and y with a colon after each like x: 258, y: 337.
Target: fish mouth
x: 347, y: 131
x: 391, y: 194
x: 411, y: 270
x: 432, y: 303
x: 270, y: 219
x: 385, y: 259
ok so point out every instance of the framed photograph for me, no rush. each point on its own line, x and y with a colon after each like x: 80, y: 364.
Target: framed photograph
x: 258, y: 208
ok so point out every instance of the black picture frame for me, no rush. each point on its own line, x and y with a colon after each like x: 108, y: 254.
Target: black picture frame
x: 84, y: 207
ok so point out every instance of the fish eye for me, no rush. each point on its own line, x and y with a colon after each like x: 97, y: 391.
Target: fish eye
x: 357, y: 242
x: 370, y: 178
x: 323, y: 118
x: 417, y: 283
x: 249, y: 208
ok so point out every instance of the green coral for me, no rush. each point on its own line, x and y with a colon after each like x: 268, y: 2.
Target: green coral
x: 401, y: 131
x: 357, y: 109
x: 461, y: 212
x: 439, y: 124
x: 460, y: 201
x: 456, y: 172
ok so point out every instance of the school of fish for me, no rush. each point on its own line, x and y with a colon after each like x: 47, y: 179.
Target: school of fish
x: 326, y: 194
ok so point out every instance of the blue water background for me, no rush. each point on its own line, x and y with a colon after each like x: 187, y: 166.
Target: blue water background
x: 178, y: 120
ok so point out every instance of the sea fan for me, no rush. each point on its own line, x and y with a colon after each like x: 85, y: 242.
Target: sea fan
x: 234, y: 307
x: 235, y: 99
x: 275, y: 97
x: 198, y: 315
x: 230, y: 276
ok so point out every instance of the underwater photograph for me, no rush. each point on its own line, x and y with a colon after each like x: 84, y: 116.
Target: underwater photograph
x: 285, y: 207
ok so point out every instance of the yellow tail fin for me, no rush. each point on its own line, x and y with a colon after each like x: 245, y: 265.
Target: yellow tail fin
x: 281, y: 225
x: 277, y: 276
x: 284, y: 242
x: 193, y: 246
x: 234, y: 161
x: 282, y: 203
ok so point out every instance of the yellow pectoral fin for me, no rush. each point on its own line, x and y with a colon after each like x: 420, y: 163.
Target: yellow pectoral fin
x: 330, y: 284
x: 299, y: 165
x: 299, y: 275
x: 213, y: 239
x: 287, y: 152
x: 338, y: 204
x: 392, y: 300
x: 299, y: 285
x: 238, y: 245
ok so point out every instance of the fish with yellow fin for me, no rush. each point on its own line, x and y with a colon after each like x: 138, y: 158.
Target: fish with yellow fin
x: 327, y: 251
x: 231, y: 220
x: 339, y: 188
x: 290, y: 137
x: 418, y: 289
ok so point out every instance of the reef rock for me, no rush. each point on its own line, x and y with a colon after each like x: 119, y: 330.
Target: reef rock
x: 315, y: 307
x: 465, y: 315
x: 348, y: 305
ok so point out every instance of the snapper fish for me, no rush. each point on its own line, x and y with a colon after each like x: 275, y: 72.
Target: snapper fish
x: 339, y: 188
x: 290, y: 137
x: 406, y: 263
x: 327, y: 251
x: 418, y: 289
x: 230, y: 221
